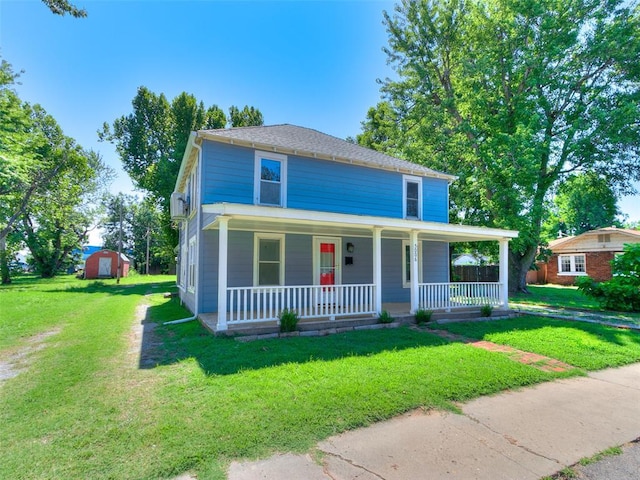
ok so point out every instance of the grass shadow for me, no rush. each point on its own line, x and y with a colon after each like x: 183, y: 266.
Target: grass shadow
x: 131, y: 285
x: 226, y: 356
x: 100, y: 286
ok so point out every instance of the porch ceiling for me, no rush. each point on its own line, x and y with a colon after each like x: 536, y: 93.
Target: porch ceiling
x: 253, y: 217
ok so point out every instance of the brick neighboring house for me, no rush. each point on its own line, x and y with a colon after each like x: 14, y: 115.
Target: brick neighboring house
x: 589, y: 253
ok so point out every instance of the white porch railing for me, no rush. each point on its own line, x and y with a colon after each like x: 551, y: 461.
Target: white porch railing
x: 438, y: 296
x: 259, y: 304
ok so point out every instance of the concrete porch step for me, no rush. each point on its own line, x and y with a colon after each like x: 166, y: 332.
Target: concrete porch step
x: 317, y: 327
x: 467, y: 314
x: 312, y: 325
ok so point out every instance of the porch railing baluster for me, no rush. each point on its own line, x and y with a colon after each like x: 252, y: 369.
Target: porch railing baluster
x: 259, y: 304
x: 438, y: 296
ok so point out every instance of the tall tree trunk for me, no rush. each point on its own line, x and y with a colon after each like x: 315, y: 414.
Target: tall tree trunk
x: 4, y: 261
x: 519, y: 265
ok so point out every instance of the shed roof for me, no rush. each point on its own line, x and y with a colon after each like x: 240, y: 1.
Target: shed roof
x: 123, y: 257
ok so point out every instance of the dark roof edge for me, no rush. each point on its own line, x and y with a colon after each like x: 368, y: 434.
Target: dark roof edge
x: 420, y: 169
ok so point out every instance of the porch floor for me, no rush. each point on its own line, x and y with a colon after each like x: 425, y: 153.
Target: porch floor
x: 309, y: 326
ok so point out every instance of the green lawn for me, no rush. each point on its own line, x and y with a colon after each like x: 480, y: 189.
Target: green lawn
x: 32, y: 305
x: 555, y: 296
x: 85, y: 408
x: 585, y: 345
x: 569, y: 301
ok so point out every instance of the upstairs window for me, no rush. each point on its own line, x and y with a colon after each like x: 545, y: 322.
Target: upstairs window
x: 412, y: 197
x: 572, y: 264
x: 270, y: 179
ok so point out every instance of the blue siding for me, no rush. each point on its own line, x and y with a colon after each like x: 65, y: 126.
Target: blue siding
x: 435, y: 201
x: 187, y: 233
x: 298, y: 260
x: 435, y: 262
x: 240, y: 251
x: 361, y: 271
x: 343, y: 188
x: 312, y: 184
x: 209, y: 271
x: 227, y: 172
x: 392, y: 289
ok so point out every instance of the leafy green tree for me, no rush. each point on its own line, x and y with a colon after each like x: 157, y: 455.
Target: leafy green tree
x: 141, y: 220
x: 152, y: 140
x: 513, y: 96
x: 380, y: 129
x: 583, y: 202
x: 44, y: 177
x: 62, y: 7
x: 15, y: 157
x: 119, y: 209
x: 147, y: 231
x: 58, y: 218
x: 247, y: 117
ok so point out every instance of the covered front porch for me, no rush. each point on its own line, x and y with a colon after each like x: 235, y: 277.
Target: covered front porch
x: 379, y: 240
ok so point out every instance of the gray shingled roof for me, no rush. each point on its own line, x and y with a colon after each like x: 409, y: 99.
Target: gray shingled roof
x: 309, y: 142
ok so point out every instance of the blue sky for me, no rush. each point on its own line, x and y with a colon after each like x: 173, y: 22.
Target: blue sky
x: 313, y: 64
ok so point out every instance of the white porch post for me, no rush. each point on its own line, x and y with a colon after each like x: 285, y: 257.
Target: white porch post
x: 377, y: 268
x: 223, y: 243
x: 415, y: 300
x: 504, y: 273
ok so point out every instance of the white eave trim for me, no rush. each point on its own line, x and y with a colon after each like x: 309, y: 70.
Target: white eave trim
x: 185, y: 162
x: 578, y: 250
x: 312, y: 154
x: 310, y: 217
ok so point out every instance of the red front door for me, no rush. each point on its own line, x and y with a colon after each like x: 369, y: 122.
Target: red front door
x: 327, y: 263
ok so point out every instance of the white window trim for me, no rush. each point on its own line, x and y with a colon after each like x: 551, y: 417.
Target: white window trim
x: 256, y: 256
x: 405, y: 244
x: 191, y: 269
x: 406, y: 179
x: 184, y: 252
x: 572, y: 272
x: 193, y: 190
x: 259, y: 155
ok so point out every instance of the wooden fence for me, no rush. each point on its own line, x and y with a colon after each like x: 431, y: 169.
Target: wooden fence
x: 474, y: 273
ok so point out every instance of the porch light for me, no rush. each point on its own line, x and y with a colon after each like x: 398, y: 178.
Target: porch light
x: 350, y: 247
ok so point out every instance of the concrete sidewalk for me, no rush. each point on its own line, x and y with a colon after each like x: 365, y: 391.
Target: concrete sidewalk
x: 526, y: 434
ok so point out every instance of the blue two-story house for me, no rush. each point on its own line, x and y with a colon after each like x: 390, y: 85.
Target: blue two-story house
x: 282, y: 216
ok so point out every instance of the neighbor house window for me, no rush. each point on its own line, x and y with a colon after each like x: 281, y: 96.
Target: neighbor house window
x: 270, y: 179
x: 191, y: 275
x: 412, y: 197
x: 406, y: 263
x: 268, y: 266
x: 572, y: 264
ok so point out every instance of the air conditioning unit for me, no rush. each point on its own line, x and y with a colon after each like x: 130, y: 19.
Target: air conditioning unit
x: 179, y: 206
